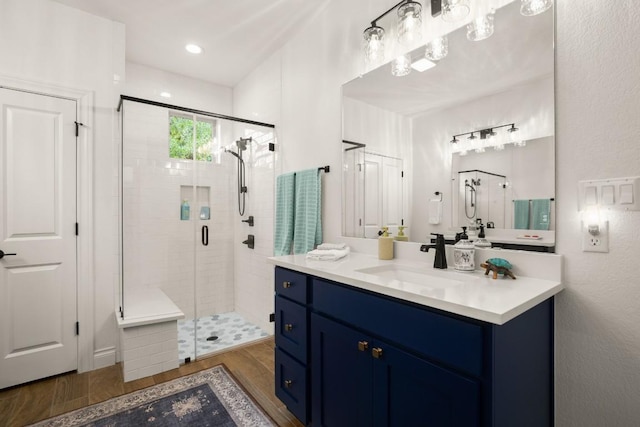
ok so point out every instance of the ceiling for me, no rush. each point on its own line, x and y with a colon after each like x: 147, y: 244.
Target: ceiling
x: 237, y: 35
x: 519, y: 51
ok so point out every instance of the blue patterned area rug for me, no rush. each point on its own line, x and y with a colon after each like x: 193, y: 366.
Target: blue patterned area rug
x: 207, y: 398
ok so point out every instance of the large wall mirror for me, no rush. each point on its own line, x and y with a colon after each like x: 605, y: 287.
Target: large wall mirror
x: 400, y: 167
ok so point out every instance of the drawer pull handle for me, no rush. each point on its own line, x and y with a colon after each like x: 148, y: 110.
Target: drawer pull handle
x: 286, y: 285
x: 376, y: 353
x: 288, y: 327
x: 287, y: 383
x: 363, y: 345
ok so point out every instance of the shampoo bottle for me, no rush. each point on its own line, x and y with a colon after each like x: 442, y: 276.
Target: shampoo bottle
x: 184, y: 210
x: 464, y: 253
x: 385, y: 244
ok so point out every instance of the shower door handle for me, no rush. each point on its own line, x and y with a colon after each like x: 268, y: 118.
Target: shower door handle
x: 205, y: 235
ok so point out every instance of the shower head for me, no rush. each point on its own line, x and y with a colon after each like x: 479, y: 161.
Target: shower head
x: 466, y: 184
x: 242, y: 143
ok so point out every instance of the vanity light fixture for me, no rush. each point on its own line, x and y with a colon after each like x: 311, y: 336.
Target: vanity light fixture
x: 488, y: 138
x: 534, y: 7
x: 409, y: 22
x: 401, y: 66
x: 437, y: 49
x: 455, y: 10
x: 481, y: 27
x: 409, y: 30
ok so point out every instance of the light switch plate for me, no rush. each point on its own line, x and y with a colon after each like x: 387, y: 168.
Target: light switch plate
x: 625, y: 197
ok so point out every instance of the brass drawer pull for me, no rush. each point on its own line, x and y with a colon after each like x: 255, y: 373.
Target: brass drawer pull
x: 288, y: 327
x: 287, y: 383
x: 363, y: 345
x: 376, y: 353
x: 286, y: 285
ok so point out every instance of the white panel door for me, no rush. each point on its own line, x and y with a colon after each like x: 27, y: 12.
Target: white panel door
x: 372, y: 195
x: 37, y: 223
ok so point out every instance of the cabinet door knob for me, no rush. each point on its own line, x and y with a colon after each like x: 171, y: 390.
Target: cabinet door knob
x: 288, y: 327
x: 286, y: 285
x: 376, y: 352
x: 287, y: 383
x: 363, y: 345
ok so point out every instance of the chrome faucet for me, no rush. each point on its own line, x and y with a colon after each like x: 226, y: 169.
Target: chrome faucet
x: 440, y: 260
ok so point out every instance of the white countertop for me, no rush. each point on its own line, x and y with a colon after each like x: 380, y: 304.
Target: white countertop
x: 473, y: 294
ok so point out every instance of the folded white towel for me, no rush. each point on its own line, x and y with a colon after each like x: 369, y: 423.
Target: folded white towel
x: 329, y: 246
x: 327, y: 254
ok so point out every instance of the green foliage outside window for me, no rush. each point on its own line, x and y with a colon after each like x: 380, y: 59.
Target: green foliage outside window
x: 181, y: 139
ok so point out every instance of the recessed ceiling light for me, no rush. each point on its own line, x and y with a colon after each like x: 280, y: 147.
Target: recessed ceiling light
x: 193, y: 48
x: 422, y: 64
x: 165, y: 94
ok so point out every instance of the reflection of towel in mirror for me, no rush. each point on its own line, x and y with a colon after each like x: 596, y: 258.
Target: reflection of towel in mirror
x: 521, y: 214
x: 284, y: 214
x: 540, y: 214
x: 327, y: 254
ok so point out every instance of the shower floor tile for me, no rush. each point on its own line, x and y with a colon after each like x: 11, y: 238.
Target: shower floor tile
x: 230, y: 328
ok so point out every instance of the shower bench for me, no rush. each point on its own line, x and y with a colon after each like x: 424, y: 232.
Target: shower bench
x: 148, y: 334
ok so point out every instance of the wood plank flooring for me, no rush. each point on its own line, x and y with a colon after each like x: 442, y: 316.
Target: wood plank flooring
x: 252, y: 365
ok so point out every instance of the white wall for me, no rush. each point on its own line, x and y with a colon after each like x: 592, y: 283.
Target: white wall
x: 597, y: 122
x: 47, y: 43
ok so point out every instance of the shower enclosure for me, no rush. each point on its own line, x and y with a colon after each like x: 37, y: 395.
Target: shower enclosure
x: 481, y: 196
x: 196, y: 187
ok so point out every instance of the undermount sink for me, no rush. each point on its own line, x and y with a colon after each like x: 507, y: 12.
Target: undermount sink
x: 417, y: 280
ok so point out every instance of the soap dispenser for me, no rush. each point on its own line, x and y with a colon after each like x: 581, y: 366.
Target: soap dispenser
x: 385, y: 244
x: 482, y: 242
x: 464, y: 253
x: 401, y: 236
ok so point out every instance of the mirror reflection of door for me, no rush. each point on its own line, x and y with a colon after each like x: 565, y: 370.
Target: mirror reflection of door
x: 383, y: 194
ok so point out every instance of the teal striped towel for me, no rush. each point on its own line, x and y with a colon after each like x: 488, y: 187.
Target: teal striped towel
x: 521, y: 214
x: 285, y: 185
x: 307, y: 229
x: 541, y: 214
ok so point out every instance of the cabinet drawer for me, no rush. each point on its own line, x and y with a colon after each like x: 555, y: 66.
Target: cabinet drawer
x: 449, y: 340
x: 291, y: 328
x: 291, y: 385
x: 291, y: 284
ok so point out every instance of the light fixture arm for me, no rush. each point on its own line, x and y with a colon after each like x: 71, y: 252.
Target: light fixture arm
x: 483, y: 132
x: 373, y: 23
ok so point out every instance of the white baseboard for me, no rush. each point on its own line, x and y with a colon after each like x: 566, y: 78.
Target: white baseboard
x: 104, y: 357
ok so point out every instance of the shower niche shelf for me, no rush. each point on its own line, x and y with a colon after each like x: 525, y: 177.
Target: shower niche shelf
x: 198, y: 199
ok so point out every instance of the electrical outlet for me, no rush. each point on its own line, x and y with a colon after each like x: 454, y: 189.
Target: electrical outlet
x: 595, y: 237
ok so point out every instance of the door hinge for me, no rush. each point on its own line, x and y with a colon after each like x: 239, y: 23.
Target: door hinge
x: 401, y: 174
x: 78, y: 124
x: 77, y: 229
x: 77, y: 328
x: 272, y: 317
x: 272, y: 146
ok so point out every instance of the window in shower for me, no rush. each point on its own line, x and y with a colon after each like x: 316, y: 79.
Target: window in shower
x: 182, y: 138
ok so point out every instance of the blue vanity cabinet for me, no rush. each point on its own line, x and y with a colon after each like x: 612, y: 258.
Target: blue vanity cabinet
x: 291, y: 337
x: 361, y: 381
x: 374, y: 360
